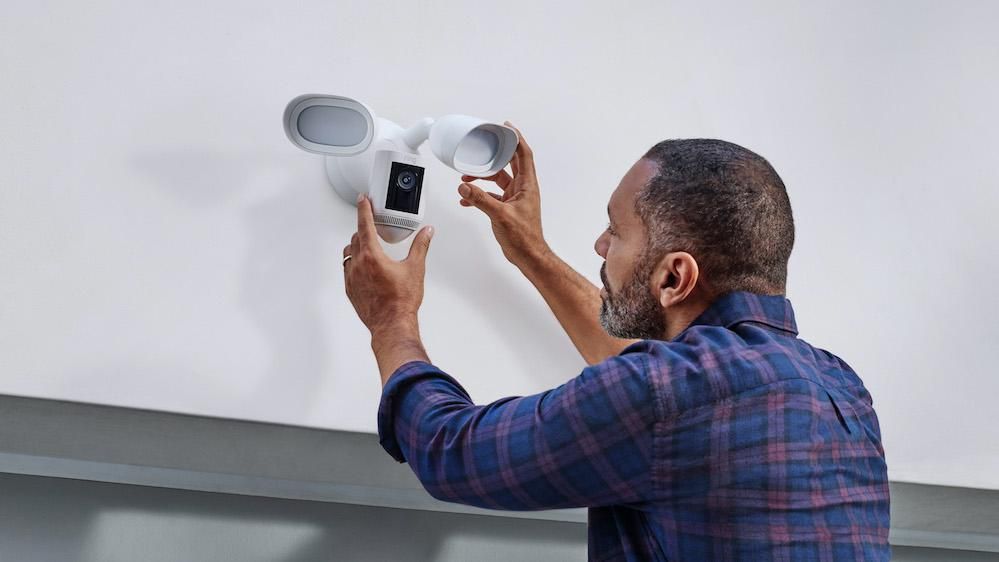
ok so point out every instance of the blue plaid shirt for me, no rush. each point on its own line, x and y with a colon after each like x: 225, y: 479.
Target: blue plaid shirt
x: 735, y: 440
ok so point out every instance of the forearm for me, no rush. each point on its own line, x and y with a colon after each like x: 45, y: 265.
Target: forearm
x: 575, y: 302
x: 505, y: 455
x: 396, y: 344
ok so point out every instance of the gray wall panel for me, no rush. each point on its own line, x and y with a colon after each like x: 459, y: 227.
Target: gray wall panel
x: 63, y: 520
x: 56, y: 519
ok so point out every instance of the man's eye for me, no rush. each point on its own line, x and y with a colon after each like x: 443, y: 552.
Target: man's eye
x: 610, y: 230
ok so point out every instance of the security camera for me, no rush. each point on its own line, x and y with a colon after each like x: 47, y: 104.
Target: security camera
x: 377, y: 157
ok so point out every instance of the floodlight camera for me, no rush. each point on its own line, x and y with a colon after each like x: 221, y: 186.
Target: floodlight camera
x: 374, y: 156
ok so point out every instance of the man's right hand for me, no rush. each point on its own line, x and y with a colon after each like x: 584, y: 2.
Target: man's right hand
x: 516, y: 218
x: 515, y: 214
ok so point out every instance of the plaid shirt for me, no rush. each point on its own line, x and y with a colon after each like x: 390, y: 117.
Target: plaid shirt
x: 735, y: 440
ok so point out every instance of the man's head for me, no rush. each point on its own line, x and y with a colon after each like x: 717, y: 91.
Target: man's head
x: 692, y: 220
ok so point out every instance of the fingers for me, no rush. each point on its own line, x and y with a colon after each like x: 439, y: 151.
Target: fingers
x: 421, y: 245
x: 467, y: 203
x: 501, y: 178
x: 366, y: 233
x: 346, y: 274
x: 523, y: 149
x: 346, y: 252
x: 476, y: 197
x: 355, y: 246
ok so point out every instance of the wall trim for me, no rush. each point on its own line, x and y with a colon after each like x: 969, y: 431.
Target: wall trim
x: 63, y: 439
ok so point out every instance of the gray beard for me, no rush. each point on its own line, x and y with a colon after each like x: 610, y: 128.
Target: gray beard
x: 633, y: 312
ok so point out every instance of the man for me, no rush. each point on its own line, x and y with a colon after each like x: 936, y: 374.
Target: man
x: 702, y: 429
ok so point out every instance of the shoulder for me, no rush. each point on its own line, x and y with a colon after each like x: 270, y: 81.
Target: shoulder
x: 706, y: 365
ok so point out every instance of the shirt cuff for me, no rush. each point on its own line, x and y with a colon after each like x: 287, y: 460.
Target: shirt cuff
x: 392, y: 395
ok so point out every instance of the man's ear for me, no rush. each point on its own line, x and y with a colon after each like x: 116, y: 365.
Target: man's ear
x: 674, y: 278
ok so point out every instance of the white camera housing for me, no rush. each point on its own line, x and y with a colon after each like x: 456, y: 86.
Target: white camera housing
x: 368, y: 172
x: 365, y: 154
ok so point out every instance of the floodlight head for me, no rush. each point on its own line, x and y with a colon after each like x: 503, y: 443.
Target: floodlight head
x: 330, y: 125
x: 365, y: 155
x: 471, y: 145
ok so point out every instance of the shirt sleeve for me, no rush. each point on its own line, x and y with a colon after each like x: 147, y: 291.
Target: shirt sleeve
x: 585, y: 443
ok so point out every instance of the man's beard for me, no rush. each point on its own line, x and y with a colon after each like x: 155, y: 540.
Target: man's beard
x: 632, y: 312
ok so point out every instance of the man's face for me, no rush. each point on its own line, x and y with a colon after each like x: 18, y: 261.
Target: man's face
x: 628, y: 309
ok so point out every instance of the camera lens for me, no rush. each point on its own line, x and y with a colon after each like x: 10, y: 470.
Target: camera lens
x: 406, y: 180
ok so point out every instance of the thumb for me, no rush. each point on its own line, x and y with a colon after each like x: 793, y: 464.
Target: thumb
x: 421, y: 245
x: 480, y: 199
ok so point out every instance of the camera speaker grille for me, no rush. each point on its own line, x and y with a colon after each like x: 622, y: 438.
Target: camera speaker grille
x: 397, y: 221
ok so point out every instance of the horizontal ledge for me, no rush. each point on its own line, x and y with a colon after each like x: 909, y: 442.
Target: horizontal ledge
x: 62, y: 439
x: 944, y: 539
x: 400, y: 498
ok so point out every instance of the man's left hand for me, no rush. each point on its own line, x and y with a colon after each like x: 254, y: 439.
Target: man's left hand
x: 384, y: 292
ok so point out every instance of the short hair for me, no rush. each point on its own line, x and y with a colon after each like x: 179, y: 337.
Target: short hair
x: 726, y: 206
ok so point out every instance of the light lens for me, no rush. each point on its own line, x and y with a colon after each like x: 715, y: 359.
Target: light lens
x: 478, y: 148
x: 329, y: 125
x: 332, y: 126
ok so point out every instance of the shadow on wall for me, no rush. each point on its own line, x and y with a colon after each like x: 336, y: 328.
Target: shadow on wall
x: 520, y: 318
x: 287, y: 230
x: 290, y: 216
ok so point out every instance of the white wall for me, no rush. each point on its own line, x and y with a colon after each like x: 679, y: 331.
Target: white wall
x: 164, y: 246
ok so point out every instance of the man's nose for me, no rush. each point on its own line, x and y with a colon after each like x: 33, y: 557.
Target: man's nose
x: 600, y: 246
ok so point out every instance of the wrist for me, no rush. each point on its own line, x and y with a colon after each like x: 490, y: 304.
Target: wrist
x: 536, y: 260
x: 396, y: 343
x: 399, y: 325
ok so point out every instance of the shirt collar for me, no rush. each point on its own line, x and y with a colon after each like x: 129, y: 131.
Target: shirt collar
x: 733, y: 308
